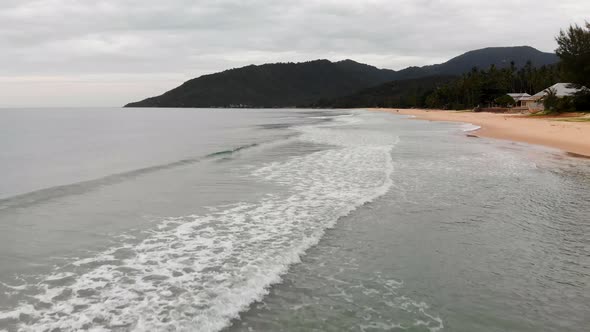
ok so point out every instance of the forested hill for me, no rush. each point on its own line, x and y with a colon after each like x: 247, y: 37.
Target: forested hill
x: 500, y: 57
x: 272, y: 85
x: 475, y: 88
x: 307, y: 83
x: 401, y: 93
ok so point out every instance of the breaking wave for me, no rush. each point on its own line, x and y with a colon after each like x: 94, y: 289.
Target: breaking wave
x: 82, y: 187
x: 200, y: 271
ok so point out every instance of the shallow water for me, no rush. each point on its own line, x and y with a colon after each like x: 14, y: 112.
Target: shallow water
x: 285, y: 220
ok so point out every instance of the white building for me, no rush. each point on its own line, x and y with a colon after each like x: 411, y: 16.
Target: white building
x: 519, y: 98
x: 535, y: 102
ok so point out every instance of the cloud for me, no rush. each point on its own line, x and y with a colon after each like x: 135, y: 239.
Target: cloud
x: 146, y: 45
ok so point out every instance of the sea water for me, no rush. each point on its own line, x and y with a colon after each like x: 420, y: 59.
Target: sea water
x: 284, y: 220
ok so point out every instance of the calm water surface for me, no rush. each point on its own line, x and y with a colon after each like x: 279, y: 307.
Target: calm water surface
x: 285, y: 220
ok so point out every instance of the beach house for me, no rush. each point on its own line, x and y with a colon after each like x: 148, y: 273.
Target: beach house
x: 519, y: 98
x: 535, y: 102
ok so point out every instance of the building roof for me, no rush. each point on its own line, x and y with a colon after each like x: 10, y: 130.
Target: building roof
x: 519, y: 96
x: 561, y: 89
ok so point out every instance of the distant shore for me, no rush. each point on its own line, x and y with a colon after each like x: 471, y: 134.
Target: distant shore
x: 567, y: 132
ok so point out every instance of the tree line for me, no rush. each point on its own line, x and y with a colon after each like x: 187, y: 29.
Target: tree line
x: 484, y: 88
x: 489, y: 87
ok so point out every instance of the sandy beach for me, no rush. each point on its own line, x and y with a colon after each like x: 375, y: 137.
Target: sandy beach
x: 553, y: 131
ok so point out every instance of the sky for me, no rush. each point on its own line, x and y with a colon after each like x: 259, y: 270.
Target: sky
x: 106, y: 53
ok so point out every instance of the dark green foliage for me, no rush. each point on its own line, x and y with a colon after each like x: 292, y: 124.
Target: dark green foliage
x: 581, y: 101
x: 477, y: 88
x: 500, y: 57
x: 550, y: 100
x: 403, y: 94
x: 505, y: 101
x: 482, y: 88
x: 272, y: 85
x: 297, y: 84
x: 566, y: 104
x: 554, y: 104
x: 574, y: 52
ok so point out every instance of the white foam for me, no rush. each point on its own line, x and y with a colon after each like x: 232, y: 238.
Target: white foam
x: 199, y: 272
x: 19, y: 287
x: 467, y: 127
x: 381, y: 292
x: 332, y: 116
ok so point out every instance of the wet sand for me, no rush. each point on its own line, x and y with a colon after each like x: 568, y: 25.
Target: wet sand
x: 551, y: 131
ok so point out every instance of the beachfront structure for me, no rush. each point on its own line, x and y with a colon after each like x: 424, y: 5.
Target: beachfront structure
x: 535, y: 102
x: 519, y: 98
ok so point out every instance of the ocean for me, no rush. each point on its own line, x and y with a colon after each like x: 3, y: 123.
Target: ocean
x: 285, y: 220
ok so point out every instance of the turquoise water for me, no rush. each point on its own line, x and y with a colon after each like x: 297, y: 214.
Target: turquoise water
x: 285, y: 220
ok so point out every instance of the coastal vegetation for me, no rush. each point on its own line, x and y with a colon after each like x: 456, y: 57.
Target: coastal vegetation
x: 574, y: 53
x: 481, y: 88
x: 489, y: 86
x: 476, y: 79
x: 403, y: 94
x: 321, y: 83
x: 272, y: 85
x: 472, y: 89
x: 505, y: 101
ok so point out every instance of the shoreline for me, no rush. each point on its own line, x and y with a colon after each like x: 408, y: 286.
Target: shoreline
x: 549, y: 131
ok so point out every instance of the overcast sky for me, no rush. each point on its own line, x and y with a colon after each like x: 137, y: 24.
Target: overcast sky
x: 110, y: 52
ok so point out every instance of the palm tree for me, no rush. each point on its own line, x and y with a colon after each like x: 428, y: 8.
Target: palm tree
x: 550, y: 99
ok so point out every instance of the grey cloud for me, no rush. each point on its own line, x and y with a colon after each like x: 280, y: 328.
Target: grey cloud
x: 178, y: 39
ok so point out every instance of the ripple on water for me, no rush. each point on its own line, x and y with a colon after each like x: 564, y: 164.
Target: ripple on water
x: 201, y: 271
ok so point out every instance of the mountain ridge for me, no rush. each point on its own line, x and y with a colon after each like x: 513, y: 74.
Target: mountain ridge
x: 305, y: 83
x: 484, y: 57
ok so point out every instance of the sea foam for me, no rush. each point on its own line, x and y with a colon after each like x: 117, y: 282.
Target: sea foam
x: 199, y: 272
x: 467, y: 127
